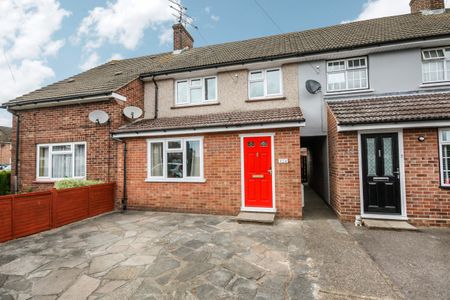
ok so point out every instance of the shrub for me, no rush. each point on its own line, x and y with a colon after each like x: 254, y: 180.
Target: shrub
x: 73, y: 183
x: 5, y: 182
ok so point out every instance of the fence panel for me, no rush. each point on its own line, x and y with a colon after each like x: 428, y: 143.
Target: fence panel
x: 70, y: 205
x: 6, y: 232
x: 101, y: 198
x: 31, y: 213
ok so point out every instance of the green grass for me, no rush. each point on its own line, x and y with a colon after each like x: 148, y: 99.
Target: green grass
x: 5, y: 182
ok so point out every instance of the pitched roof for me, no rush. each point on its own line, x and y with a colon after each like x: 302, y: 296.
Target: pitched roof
x: 237, y: 118
x: 104, y: 79
x: 5, y: 134
x: 392, y: 109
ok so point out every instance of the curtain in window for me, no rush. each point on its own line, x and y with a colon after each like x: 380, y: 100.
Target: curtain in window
x: 446, y: 163
x: 62, y: 165
x: 80, y: 161
x: 193, y: 159
x: 43, y: 161
x: 157, y: 159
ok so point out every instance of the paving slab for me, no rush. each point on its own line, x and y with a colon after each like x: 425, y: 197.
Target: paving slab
x: 250, y: 217
x: 81, y: 289
x: 388, y: 224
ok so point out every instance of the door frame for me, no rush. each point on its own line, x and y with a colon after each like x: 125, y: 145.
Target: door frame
x: 272, y: 142
x: 401, y: 156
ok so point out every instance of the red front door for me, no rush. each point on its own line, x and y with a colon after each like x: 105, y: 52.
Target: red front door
x: 258, y: 172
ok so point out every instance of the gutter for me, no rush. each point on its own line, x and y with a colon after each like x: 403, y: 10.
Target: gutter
x: 286, y: 56
x: 206, y: 129
x: 17, y: 158
x: 156, y: 97
x: 23, y: 105
x: 124, y: 191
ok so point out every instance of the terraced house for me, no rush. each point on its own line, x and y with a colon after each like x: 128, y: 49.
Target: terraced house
x: 360, y: 111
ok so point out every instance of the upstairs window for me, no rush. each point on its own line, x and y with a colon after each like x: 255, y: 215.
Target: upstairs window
x: 196, y: 91
x: 265, y: 83
x: 436, y: 65
x: 58, y: 161
x: 347, y: 74
x: 444, y: 150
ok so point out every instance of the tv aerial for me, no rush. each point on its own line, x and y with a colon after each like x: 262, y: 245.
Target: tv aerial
x: 132, y: 112
x: 180, y: 14
x: 313, y: 87
x: 99, y: 117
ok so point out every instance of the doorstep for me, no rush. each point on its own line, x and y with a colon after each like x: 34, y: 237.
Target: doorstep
x: 388, y: 224
x: 255, y: 217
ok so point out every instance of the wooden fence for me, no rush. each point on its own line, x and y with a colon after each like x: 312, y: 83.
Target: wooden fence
x: 26, y: 214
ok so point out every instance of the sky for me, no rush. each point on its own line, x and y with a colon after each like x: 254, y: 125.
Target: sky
x: 43, y: 41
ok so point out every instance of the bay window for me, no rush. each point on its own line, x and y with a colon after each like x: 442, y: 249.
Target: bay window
x: 436, y: 65
x: 59, y: 161
x: 265, y: 83
x: 444, y: 151
x: 347, y: 74
x: 196, y: 91
x: 177, y: 159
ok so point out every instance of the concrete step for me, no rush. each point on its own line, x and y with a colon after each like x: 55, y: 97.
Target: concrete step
x: 388, y: 224
x: 255, y: 217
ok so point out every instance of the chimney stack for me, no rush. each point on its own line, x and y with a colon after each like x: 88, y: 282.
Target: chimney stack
x: 181, y: 37
x: 426, y: 5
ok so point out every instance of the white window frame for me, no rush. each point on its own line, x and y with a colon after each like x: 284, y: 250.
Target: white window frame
x: 166, y: 150
x: 203, y: 88
x: 346, y: 72
x: 441, y: 156
x: 50, y: 154
x: 264, y: 80
x: 444, y: 59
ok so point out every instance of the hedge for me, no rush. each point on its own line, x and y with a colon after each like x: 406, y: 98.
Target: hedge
x: 5, y: 182
x: 73, y: 183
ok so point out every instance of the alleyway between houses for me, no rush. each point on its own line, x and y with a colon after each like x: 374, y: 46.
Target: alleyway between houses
x: 154, y: 255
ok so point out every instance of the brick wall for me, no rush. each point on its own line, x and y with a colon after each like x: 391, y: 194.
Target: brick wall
x: 181, y: 37
x: 419, y: 5
x: 5, y: 153
x: 426, y: 202
x: 344, y: 171
x: 71, y: 124
x: 221, y: 193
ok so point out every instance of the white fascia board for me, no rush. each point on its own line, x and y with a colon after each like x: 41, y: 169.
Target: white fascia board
x: 425, y: 124
x: 207, y: 130
x: 61, y: 102
x: 119, y: 97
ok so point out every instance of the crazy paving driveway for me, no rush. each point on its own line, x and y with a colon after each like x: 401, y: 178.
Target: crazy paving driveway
x: 148, y: 255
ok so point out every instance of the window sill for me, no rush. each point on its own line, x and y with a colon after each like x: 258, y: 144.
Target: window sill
x: 266, y: 99
x: 195, y: 105
x: 43, y: 181
x: 445, y: 187
x: 362, y: 91
x: 175, y: 180
x: 434, y: 84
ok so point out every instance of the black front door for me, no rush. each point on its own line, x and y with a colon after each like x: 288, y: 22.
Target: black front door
x: 381, y: 173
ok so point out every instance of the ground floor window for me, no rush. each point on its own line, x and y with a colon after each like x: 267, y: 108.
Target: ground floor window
x: 175, y: 159
x: 444, y: 148
x: 58, y: 161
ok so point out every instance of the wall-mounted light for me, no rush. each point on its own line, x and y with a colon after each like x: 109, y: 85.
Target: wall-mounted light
x: 421, y: 139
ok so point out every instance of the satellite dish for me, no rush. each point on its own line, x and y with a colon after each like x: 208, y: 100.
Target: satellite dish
x: 313, y: 87
x: 98, y: 116
x: 132, y: 112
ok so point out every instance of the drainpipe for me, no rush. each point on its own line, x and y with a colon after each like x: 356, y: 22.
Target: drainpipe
x: 156, y: 96
x: 17, y: 160
x: 124, y: 191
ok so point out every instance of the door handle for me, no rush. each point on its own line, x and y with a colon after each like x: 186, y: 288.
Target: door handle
x: 397, y: 173
x: 270, y: 171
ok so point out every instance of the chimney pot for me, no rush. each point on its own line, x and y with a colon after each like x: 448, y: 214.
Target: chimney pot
x: 181, y: 38
x: 426, y: 5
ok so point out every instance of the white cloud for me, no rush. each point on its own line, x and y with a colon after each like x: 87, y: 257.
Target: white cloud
x: 91, y: 61
x: 215, y: 18
x: 209, y: 12
x: 123, y: 22
x: 116, y: 56
x: 27, y: 29
x: 383, y: 8
x: 166, y: 36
